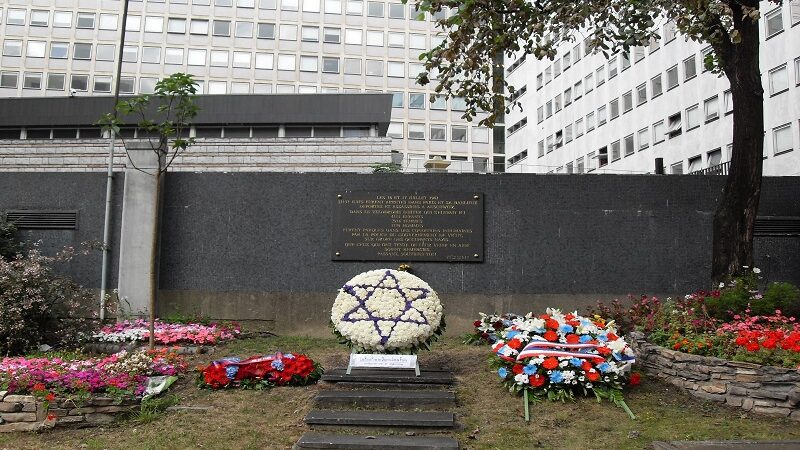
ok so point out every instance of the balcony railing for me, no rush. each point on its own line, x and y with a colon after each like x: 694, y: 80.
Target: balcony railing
x: 719, y: 169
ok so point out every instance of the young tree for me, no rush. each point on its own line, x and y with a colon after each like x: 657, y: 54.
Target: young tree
x: 166, y: 115
x: 479, y: 31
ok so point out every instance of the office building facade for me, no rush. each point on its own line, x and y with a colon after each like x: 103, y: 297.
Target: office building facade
x: 584, y: 113
x: 244, y: 47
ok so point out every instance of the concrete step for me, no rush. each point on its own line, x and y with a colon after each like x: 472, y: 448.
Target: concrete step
x: 429, y: 419
x: 391, y: 399
x: 356, y: 442
x: 395, y: 377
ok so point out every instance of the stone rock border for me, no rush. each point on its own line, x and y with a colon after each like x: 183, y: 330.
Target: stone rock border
x: 26, y: 413
x: 761, y: 389
x: 109, y: 348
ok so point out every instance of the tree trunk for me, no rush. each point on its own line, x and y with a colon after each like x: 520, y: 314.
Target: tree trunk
x: 154, y: 255
x: 737, y: 209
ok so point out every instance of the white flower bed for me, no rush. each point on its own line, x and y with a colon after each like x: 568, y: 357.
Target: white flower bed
x: 387, y: 311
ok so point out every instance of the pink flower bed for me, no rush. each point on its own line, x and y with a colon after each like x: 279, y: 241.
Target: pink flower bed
x: 167, y: 333
x: 124, y: 373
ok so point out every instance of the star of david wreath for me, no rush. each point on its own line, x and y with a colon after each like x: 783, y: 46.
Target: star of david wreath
x: 387, y: 311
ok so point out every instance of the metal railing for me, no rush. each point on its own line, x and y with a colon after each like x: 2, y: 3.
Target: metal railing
x: 719, y: 169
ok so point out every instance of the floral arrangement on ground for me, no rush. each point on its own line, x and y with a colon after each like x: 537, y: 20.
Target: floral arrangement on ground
x: 259, y: 372
x: 387, y: 311
x: 555, y: 356
x: 124, y: 374
x: 167, y: 333
x: 735, y: 321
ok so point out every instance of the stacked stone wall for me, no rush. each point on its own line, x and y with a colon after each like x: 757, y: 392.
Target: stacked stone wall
x: 752, y: 387
x: 27, y: 413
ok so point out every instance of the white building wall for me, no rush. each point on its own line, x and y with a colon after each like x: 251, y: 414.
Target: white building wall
x: 260, y: 68
x: 680, y: 152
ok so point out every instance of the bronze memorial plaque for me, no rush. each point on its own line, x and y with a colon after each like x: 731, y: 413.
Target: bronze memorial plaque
x: 403, y: 226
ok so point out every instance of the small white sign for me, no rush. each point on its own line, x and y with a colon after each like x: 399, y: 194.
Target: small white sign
x: 383, y: 361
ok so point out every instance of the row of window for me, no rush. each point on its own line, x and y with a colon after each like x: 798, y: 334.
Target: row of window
x: 307, y: 33
x: 773, y: 23
x: 781, y: 143
x: 325, y: 131
x: 64, y: 19
x: 438, y: 132
x: 777, y: 79
x: 217, y: 58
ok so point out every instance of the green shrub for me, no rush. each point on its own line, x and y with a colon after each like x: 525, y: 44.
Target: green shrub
x: 785, y: 297
x: 9, y: 247
x: 38, y: 306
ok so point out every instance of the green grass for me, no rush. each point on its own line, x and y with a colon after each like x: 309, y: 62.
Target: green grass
x: 489, y: 417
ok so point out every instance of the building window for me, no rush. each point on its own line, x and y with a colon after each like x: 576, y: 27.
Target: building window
x: 355, y: 7
x: 102, y: 83
x: 692, y: 117
x: 655, y: 86
x: 689, y: 68
x: 669, y: 32
x: 309, y: 34
x: 579, y: 128
x: 672, y: 77
x: 613, y: 107
x: 695, y: 164
x: 85, y: 20
x: 374, y: 67
x: 601, y: 76
x: 774, y: 22
x: 396, y: 69
x: 644, y: 139
x: 626, y: 61
x: 133, y: 23
x: 590, y: 162
x: 706, y: 58
x: 602, y: 156
x: 641, y: 94
x: 265, y: 61
x: 568, y: 97
x: 659, y: 132
x: 615, y: 153
x: 396, y: 40
x: 589, y: 122
x: 62, y: 19
x: 549, y: 108
x: 375, y: 38
x: 416, y: 131
x: 677, y: 168
x: 36, y: 49
x: 196, y: 57
x: 397, y: 11
x: 289, y: 5
x: 654, y: 45
x: 395, y: 130
x: 59, y: 50
x: 197, y: 27
x: 638, y: 54
x: 588, y: 83
x: 568, y: 134
x: 244, y: 29
x: 242, y: 59
x: 151, y: 55
x: 797, y: 61
x: 82, y: 51
x: 173, y: 56
x: 458, y: 104
x: 127, y: 85
x: 714, y: 157
x: 794, y: 7
x: 330, y: 65
x: 333, y: 7
x: 55, y: 81
x: 375, y: 9
x: 778, y: 80
x: 288, y: 32
x: 15, y: 17
x: 782, y: 139
x: 416, y: 100
x: 728, y: 99
x: 32, y: 80
x: 612, y: 68
x: 458, y: 133
x: 266, y: 31
x: 557, y: 103
x: 711, y: 108
x: 40, y: 18
x: 549, y: 143
x: 154, y: 24
x: 177, y: 26
x: 602, y: 116
x: 579, y: 165
x: 566, y: 62
x: 12, y: 48
x: 578, y: 89
x: 480, y: 135
x: 628, y: 145
x: 79, y: 83
x: 576, y: 53
x: 559, y: 142
x: 352, y: 66
x: 438, y: 132
x: 540, y: 147
x: 332, y: 35
x: 286, y: 62
x: 674, y: 125
x: 9, y: 80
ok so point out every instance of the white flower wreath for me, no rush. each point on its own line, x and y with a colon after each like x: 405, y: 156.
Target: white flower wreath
x: 387, y: 310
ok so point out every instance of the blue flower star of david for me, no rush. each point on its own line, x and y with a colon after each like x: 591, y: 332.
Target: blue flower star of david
x: 362, y: 298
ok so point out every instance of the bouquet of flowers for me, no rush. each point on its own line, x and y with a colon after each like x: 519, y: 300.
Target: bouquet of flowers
x: 554, y: 356
x: 387, y: 311
x: 259, y: 372
x: 167, y: 333
x: 123, y: 373
x: 487, y: 327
